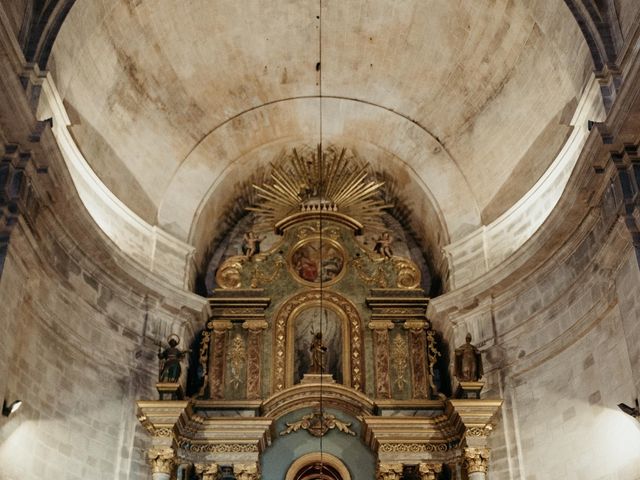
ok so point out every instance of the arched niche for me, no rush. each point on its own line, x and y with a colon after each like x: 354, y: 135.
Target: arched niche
x: 318, y: 465
x: 296, y: 318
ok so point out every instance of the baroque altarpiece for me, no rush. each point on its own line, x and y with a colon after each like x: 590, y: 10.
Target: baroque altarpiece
x: 318, y: 360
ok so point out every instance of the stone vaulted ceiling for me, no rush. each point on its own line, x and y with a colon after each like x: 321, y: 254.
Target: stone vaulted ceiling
x: 173, y: 102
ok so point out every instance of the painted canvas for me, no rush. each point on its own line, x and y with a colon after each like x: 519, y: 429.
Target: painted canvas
x: 306, y: 325
x: 316, y: 261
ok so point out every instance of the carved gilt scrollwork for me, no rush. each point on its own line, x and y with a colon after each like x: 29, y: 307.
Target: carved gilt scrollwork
x: 400, y: 360
x: 236, y: 356
x: 407, y: 274
x: 229, y: 275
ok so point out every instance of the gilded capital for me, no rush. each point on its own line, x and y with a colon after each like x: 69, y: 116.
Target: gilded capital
x: 246, y: 471
x: 476, y: 459
x: 255, y: 325
x: 429, y: 471
x: 381, y: 325
x: 389, y: 471
x: 161, y: 459
x: 207, y: 471
x: 415, y: 325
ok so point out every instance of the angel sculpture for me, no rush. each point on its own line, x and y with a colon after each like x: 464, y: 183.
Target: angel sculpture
x: 383, y: 245
x: 251, y: 244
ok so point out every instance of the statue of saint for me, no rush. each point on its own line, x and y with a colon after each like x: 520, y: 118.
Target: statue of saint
x: 251, y: 244
x: 468, y: 363
x: 383, y: 245
x: 170, y: 360
x: 318, y: 351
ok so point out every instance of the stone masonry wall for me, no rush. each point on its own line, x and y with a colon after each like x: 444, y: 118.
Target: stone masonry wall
x: 78, y: 347
x: 562, y: 347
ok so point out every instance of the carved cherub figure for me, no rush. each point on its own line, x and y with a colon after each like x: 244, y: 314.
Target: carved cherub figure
x: 383, y: 245
x: 251, y: 244
x: 468, y: 362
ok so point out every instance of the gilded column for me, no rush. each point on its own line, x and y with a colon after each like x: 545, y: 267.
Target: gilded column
x: 207, y: 471
x: 248, y: 471
x: 162, y: 461
x: 389, y: 471
x: 217, y: 356
x: 418, y: 349
x: 476, y: 461
x: 254, y: 357
x: 429, y: 471
x: 381, y: 354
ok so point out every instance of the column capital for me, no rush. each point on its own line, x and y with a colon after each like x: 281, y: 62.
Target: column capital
x: 247, y: 471
x: 429, y: 471
x: 380, y: 325
x: 161, y: 459
x: 207, y: 471
x: 476, y: 459
x: 389, y: 471
x: 255, y: 325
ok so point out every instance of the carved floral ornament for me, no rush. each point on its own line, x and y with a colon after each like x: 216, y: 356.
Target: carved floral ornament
x: 318, y: 424
x: 476, y: 459
x: 161, y: 459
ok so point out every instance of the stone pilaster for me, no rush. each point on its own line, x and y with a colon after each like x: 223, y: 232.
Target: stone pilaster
x: 162, y: 461
x: 207, y: 471
x: 389, y: 471
x: 476, y: 462
x: 254, y: 357
x: 381, y: 354
x: 429, y: 471
x: 248, y: 471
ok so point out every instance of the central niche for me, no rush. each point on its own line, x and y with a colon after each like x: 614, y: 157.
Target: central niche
x: 307, y: 323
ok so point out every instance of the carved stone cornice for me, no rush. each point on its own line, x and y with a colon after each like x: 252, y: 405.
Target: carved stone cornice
x: 161, y: 459
x: 397, y: 304
x: 159, y: 417
x: 248, y: 471
x: 207, y: 471
x: 476, y: 460
x: 389, y: 471
x: 429, y: 471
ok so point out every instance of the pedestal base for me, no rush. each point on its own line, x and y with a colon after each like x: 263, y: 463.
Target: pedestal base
x: 317, y: 378
x: 469, y: 389
x: 171, y: 390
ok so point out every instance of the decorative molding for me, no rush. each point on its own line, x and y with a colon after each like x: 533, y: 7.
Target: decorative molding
x: 209, y: 447
x: 413, y: 447
x: 381, y: 356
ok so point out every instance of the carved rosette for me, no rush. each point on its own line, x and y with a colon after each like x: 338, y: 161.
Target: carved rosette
x: 418, y: 344
x: 280, y: 334
x: 381, y: 355
x: 246, y: 471
x: 476, y: 460
x: 207, y: 471
x: 429, y: 471
x: 254, y: 357
x: 389, y: 471
x: 161, y: 459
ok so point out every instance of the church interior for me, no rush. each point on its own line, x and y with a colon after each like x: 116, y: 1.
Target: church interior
x: 320, y: 240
